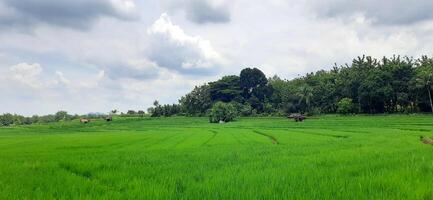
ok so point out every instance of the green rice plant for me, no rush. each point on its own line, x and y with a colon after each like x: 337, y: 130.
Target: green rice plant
x: 330, y: 157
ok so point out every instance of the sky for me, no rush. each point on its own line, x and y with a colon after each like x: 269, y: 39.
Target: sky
x: 98, y: 55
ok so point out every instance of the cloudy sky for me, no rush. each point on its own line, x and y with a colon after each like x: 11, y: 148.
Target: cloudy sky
x: 96, y: 55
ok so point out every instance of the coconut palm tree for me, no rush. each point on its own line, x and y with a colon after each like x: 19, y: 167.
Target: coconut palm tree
x: 305, y: 94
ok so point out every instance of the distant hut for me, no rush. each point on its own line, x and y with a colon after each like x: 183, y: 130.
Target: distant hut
x: 84, y: 120
x: 426, y: 140
x: 297, y: 117
x: 109, y: 118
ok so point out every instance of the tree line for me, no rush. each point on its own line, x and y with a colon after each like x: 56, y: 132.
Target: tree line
x: 397, y: 84
x: 8, y: 119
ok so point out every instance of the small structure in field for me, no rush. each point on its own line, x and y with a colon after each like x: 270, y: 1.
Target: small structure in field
x: 297, y: 117
x: 426, y: 140
x: 84, y: 120
x: 109, y: 118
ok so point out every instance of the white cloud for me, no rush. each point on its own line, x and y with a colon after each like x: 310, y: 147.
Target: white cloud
x: 126, y: 64
x: 172, y: 48
x: 31, y: 89
x: 31, y: 75
x: 27, y: 74
x: 125, y: 7
x: 61, y: 79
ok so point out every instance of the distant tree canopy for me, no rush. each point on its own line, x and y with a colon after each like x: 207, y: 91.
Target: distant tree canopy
x: 61, y: 115
x: 424, y: 77
x: 8, y: 119
x: 131, y: 112
x: 197, y: 102
x: 252, y: 78
x: 166, y: 110
x: 368, y: 85
x: 226, y: 89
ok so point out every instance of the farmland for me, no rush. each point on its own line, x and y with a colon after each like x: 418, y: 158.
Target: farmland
x: 328, y: 157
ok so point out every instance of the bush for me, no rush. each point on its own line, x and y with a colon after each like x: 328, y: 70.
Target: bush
x: 131, y: 112
x: 61, y: 115
x: 345, y: 106
x: 6, y: 119
x: 220, y: 111
x: 268, y: 109
x: 242, y: 109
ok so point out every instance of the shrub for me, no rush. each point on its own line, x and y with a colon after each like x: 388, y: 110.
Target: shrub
x: 61, y: 115
x: 242, y: 109
x: 220, y: 111
x: 131, y: 112
x: 141, y: 113
x: 6, y: 119
x: 246, y: 110
x: 345, y: 106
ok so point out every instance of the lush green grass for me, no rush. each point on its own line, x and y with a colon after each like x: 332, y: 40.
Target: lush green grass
x: 361, y: 157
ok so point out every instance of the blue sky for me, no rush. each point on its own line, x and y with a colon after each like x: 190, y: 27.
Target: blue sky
x: 96, y: 55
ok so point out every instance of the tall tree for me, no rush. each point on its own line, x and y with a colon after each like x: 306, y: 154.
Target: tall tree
x: 252, y: 78
x: 226, y: 89
x: 393, y: 84
x: 61, y: 115
x: 198, y: 101
x: 305, y: 94
x: 424, y: 77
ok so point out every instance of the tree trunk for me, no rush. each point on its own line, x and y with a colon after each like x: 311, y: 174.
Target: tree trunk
x: 429, y: 96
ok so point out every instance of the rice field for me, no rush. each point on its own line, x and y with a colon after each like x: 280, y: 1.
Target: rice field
x: 329, y: 157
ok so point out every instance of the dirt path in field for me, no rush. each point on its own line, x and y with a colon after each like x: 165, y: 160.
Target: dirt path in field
x: 325, y: 135
x: 426, y: 140
x: 272, y: 138
x: 215, y: 133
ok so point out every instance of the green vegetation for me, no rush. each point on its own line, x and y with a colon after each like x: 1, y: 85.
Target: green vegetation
x: 8, y: 119
x: 368, y: 85
x: 387, y: 85
x: 328, y: 157
x: 331, y: 157
x: 346, y: 106
x: 222, y: 112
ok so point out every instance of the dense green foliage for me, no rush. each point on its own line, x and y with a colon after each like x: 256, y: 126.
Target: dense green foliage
x: 197, y: 102
x: 222, y: 112
x: 354, y: 157
x: 375, y: 86
x: 387, y: 85
x: 8, y: 119
x: 164, y: 110
x: 346, y: 106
